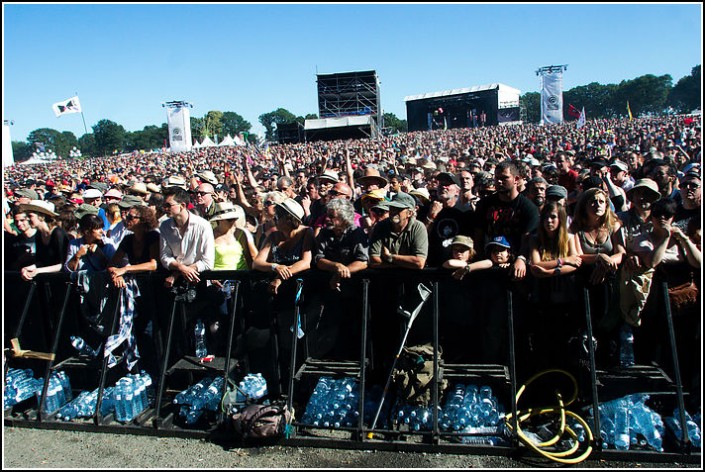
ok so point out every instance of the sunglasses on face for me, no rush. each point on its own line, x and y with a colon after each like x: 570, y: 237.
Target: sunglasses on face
x: 268, y: 203
x: 690, y: 186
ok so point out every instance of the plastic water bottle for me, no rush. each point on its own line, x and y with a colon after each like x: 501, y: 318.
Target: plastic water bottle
x: 621, y: 424
x: 82, y: 347
x: 200, y: 333
x: 626, y: 346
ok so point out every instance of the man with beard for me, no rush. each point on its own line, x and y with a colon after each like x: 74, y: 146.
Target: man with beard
x: 445, y: 219
x: 342, y: 249
x: 664, y: 174
x: 398, y: 242
x: 536, y: 191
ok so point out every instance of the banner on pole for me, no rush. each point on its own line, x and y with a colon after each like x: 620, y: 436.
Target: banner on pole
x: 581, y: 119
x: 552, y: 97
x: 72, y: 105
x: 179, y: 122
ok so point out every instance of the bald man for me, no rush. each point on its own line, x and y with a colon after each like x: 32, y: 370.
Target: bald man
x: 205, y: 204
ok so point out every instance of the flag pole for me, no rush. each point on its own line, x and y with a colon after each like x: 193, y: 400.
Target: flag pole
x: 83, y: 118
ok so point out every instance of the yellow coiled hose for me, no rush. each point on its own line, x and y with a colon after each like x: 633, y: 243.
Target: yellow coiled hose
x: 546, y: 448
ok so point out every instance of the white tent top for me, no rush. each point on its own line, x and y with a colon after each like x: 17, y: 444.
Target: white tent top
x: 339, y: 122
x: 196, y: 144
x: 239, y: 141
x: 476, y: 88
x: 207, y: 142
x: 228, y: 141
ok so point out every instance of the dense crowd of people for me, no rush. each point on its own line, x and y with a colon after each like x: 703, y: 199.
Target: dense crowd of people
x: 614, y: 206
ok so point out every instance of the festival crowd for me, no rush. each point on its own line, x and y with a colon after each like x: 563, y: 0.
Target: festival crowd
x: 614, y: 207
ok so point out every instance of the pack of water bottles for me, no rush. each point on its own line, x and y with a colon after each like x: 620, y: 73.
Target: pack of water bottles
x: 475, y: 411
x: 127, y: 399
x: 252, y: 387
x: 58, y: 393
x: 628, y: 423
x: 416, y: 418
x: 333, y: 403
x: 204, y: 395
x: 693, y: 424
x: 20, y: 385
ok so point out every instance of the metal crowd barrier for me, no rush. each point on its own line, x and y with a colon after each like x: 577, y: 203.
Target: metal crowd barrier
x: 30, y: 320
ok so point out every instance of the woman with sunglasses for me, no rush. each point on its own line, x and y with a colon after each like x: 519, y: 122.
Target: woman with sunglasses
x: 285, y: 253
x: 267, y: 225
x: 138, y: 252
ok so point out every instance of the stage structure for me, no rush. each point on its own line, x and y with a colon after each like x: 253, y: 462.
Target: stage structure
x: 179, y: 121
x: 348, y: 107
x: 552, y: 94
x: 472, y: 107
x: 290, y: 132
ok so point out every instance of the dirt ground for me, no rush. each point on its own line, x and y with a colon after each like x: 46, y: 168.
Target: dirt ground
x: 25, y: 448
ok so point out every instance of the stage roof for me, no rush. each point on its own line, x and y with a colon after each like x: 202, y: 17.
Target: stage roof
x: 339, y: 122
x: 460, y: 91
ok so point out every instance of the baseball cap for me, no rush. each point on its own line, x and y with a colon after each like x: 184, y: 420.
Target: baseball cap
x: 27, y: 193
x: 557, y: 192
x: 620, y: 165
x: 402, y: 200
x: 461, y: 240
x: 500, y: 241
x: 448, y: 176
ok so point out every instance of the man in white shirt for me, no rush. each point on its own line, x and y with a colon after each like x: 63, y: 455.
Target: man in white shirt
x: 186, y: 246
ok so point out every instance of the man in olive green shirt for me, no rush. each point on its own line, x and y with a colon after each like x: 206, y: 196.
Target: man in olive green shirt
x: 400, y: 241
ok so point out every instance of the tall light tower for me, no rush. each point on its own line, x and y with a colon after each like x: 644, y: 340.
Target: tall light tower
x: 552, y: 93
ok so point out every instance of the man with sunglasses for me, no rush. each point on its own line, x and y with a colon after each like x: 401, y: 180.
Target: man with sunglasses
x: 187, y: 245
x: 689, y: 203
x: 205, y: 203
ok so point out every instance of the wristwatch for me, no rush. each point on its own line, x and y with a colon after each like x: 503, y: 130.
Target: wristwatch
x: 390, y: 259
x: 274, y: 267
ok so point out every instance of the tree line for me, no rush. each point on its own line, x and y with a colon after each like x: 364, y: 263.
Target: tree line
x: 648, y: 94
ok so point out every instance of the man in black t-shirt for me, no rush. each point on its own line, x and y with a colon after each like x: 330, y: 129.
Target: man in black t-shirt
x: 689, y: 205
x: 445, y: 219
x: 20, y: 249
x: 506, y: 213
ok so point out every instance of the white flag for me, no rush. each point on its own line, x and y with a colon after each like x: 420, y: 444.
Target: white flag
x: 72, y: 105
x: 581, y: 120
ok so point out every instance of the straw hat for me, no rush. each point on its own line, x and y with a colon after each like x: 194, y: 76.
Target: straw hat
x: 154, y: 188
x: 421, y: 193
x: 376, y: 194
x: 293, y: 208
x: 329, y: 176
x: 649, y: 185
x: 139, y: 187
x: 372, y: 177
x: 175, y: 181
x: 40, y: 206
x: 207, y: 176
x: 225, y: 211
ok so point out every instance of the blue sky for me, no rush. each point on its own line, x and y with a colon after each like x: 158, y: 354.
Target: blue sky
x: 124, y: 60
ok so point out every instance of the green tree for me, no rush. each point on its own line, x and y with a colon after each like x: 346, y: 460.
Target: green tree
x: 109, y: 137
x: 234, y: 124
x: 394, y: 124
x: 214, y: 123
x: 198, y: 128
x: 311, y: 116
x: 686, y: 95
x: 51, y: 139
x: 86, y: 144
x: 273, y: 118
x: 645, y: 94
x: 21, y: 151
x: 531, y: 102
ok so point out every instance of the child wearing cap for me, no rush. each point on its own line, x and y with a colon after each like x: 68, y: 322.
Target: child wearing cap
x: 462, y: 250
